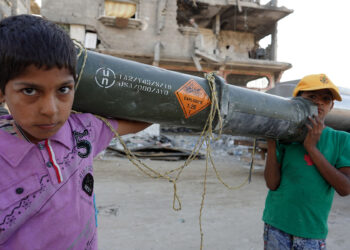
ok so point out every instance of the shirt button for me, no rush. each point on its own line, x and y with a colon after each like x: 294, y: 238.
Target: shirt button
x: 41, y: 146
x: 19, y: 190
x: 49, y: 164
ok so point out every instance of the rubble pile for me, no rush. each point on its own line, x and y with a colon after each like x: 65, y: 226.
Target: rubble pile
x: 178, y: 146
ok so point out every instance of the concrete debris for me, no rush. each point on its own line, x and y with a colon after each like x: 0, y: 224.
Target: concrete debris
x: 108, y: 210
x: 238, y: 147
x: 175, y: 146
x: 152, y: 147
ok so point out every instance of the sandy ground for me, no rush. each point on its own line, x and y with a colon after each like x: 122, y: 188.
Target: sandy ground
x: 135, y: 211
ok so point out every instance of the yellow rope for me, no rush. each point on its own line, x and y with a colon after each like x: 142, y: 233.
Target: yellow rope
x: 142, y: 166
x: 82, y: 49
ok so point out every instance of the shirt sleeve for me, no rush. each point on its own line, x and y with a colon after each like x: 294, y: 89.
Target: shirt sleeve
x: 344, y: 152
x: 100, y: 133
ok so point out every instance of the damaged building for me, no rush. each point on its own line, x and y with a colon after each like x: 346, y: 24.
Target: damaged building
x: 188, y: 36
x: 16, y: 7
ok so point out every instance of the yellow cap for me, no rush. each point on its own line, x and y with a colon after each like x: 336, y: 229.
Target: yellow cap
x: 317, y: 82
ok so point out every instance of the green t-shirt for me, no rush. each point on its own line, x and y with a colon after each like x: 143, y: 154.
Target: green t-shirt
x: 301, y: 204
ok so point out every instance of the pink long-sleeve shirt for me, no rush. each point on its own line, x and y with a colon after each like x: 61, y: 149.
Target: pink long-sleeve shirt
x: 47, y: 189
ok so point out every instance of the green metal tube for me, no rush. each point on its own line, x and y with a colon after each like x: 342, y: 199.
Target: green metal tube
x: 257, y: 114
x: 114, y: 87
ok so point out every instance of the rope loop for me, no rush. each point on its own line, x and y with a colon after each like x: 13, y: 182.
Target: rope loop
x: 82, y: 50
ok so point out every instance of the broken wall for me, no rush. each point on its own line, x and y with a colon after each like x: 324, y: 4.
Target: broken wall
x: 82, y: 12
x: 14, y: 7
x: 5, y: 9
x: 144, y: 38
x: 233, y: 44
x: 230, y: 45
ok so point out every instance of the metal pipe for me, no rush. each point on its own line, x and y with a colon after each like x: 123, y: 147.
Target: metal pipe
x: 119, y: 88
x: 115, y: 87
x: 338, y: 118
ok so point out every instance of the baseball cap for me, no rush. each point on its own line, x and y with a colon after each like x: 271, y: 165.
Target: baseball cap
x: 317, y: 82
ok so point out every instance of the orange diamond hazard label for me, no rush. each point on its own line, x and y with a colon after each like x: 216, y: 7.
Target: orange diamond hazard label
x: 192, y: 98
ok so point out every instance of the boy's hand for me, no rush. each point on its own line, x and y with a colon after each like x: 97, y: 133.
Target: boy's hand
x: 314, y: 132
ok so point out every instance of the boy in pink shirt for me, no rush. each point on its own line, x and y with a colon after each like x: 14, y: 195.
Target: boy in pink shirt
x: 46, y: 153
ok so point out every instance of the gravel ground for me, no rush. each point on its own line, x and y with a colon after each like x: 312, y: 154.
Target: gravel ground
x: 135, y: 211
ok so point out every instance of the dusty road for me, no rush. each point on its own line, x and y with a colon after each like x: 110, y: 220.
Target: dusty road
x: 135, y: 211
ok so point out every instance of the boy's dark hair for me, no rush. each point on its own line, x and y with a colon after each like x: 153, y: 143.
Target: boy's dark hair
x: 31, y: 40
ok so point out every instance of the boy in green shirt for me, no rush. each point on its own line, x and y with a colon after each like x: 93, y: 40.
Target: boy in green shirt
x: 302, y: 177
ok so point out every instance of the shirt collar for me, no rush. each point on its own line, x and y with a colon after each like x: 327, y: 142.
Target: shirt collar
x: 13, y: 149
x: 64, y: 136
x: 11, y: 145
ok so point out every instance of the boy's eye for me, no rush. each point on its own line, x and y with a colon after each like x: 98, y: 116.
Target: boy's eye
x: 327, y: 99
x: 64, y: 90
x: 29, y: 91
x: 312, y: 97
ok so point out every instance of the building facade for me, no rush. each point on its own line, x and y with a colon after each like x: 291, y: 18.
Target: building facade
x: 189, y: 36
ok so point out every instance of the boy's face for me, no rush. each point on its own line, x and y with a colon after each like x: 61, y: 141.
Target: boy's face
x: 40, y: 101
x: 322, y: 98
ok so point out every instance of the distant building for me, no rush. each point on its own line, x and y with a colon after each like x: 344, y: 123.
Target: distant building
x: 189, y: 36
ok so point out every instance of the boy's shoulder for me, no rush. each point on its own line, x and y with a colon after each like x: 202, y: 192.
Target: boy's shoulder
x: 77, y: 123
x: 339, y: 134
x: 337, y: 139
x: 88, y: 120
x: 85, y: 126
x: 81, y: 118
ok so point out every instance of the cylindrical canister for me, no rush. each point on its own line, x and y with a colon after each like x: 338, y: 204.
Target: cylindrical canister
x: 257, y: 114
x: 114, y: 87
x: 124, y: 89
